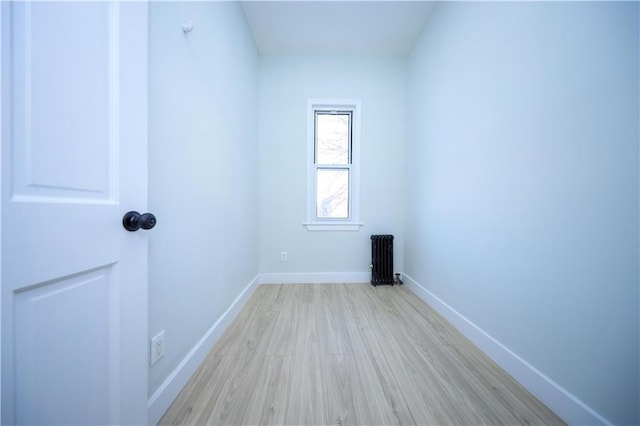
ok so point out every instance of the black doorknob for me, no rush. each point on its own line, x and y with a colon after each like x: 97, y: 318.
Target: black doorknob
x: 132, y: 221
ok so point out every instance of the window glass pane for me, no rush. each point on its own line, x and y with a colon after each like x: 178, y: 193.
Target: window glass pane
x: 332, y: 138
x: 332, y: 193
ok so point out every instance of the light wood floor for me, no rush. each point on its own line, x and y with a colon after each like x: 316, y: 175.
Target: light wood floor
x: 349, y: 354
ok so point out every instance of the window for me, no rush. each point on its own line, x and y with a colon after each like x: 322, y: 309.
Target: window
x: 333, y: 180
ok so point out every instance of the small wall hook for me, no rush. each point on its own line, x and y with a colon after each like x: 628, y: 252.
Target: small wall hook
x: 187, y: 27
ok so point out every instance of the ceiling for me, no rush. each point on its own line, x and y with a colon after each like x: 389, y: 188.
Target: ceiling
x: 336, y: 27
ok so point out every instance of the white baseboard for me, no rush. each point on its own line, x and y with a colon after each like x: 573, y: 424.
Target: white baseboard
x: 173, y: 384
x: 315, y: 277
x: 563, y: 403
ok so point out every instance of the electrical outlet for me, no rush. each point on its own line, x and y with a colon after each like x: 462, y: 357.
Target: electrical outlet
x: 283, y: 256
x: 157, y: 347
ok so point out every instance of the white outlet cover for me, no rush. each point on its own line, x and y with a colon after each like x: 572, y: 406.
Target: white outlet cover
x: 157, y: 347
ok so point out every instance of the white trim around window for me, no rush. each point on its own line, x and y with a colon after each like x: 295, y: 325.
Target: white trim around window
x: 352, y: 221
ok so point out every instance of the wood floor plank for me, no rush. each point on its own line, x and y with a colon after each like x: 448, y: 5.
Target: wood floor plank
x: 339, y: 388
x: 252, y: 324
x: 269, y: 399
x: 284, y: 336
x: 235, y: 394
x: 306, y: 404
x: 373, y: 368
x: 349, y: 354
x: 306, y: 400
x: 330, y: 317
x: 202, y: 390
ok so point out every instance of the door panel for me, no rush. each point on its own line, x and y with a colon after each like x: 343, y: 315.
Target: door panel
x: 81, y: 340
x: 74, y: 160
x: 64, y: 68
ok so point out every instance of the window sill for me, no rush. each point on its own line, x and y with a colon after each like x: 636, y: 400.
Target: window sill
x: 333, y: 226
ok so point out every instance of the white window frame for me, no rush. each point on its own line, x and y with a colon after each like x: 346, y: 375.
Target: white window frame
x: 352, y: 223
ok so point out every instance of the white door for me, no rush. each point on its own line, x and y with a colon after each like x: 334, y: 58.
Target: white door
x: 74, y: 160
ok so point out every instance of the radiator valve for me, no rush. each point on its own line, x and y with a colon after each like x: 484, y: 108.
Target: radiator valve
x: 397, y: 281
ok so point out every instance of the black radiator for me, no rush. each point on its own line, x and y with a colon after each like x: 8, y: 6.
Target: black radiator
x: 382, y: 259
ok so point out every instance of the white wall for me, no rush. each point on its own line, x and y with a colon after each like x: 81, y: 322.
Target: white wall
x: 286, y: 82
x: 522, y: 185
x: 203, y: 171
